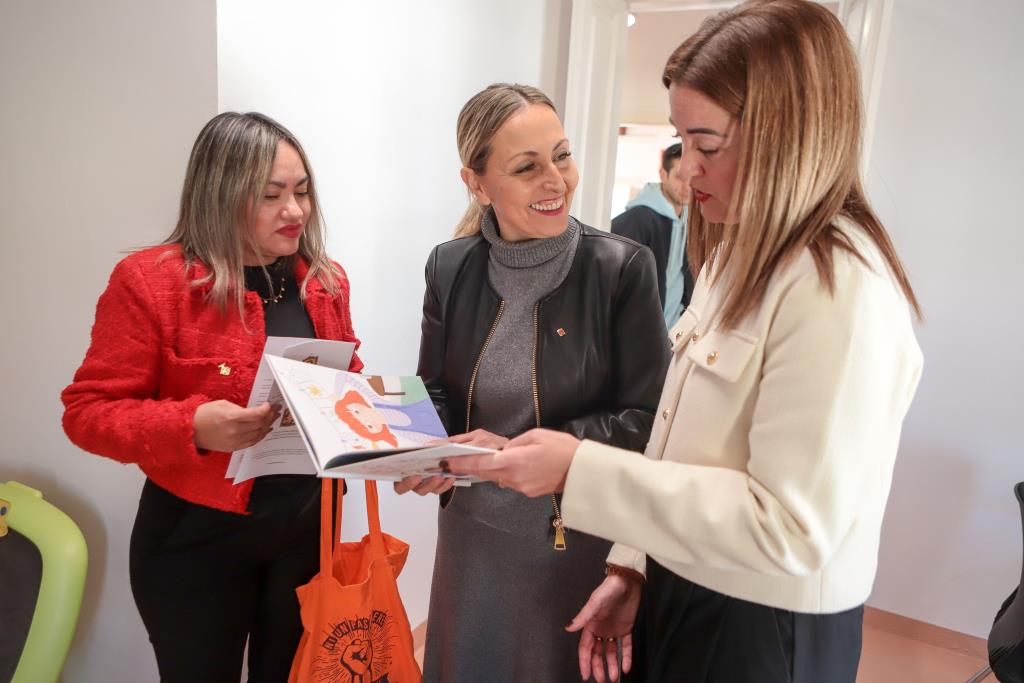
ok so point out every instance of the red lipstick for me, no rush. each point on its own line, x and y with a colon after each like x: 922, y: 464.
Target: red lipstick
x: 293, y: 230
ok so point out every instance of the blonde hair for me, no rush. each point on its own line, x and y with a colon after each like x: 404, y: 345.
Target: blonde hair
x: 785, y: 71
x: 227, y: 174
x: 479, y: 121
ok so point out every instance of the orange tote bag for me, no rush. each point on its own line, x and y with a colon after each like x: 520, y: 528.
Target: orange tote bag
x: 355, y: 629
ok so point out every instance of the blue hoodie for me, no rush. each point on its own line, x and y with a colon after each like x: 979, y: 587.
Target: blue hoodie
x: 652, y: 197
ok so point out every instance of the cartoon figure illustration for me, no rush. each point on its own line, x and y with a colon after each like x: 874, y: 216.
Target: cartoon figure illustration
x: 416, y: 421
x: 364, y: 419
x: 412, y: 419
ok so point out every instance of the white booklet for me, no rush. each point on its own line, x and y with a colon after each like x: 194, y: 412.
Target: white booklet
x: 365, y: 426
x: 283, y: 451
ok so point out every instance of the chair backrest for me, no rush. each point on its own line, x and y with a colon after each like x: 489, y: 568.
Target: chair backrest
x: 1006, y: 639
x: 43, y: 542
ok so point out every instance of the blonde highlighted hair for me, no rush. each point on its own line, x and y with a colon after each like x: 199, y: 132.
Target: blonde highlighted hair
x: 478, y: 123
x: 225, y: 180
x: 785, y: 71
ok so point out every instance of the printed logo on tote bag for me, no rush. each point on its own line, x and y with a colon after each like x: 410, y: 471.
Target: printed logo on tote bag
x: 356, y: 650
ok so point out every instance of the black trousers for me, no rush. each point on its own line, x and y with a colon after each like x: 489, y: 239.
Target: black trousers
x: 697, y: 635
x: 205, y: 581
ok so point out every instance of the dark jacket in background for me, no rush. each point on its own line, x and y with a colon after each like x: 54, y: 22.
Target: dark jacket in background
x: 646, y: 226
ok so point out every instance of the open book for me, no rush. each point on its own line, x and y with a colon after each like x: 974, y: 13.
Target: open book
x: 310, y: 436
x: 364, y: 427
x: 283, y: 451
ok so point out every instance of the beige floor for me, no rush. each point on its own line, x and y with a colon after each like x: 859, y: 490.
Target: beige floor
x: 890, y: 658
x: 896, y: 650
x: 900, y: 650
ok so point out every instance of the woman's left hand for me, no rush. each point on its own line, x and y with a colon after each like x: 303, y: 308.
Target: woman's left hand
x: 481, y: 438
x: 535, y: 463
x: 424, y: 485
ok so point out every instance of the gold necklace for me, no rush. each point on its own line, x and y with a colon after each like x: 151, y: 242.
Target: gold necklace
x: 274, y: 298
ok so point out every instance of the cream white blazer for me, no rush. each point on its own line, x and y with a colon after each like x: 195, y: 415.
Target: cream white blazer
x: 771, y: 457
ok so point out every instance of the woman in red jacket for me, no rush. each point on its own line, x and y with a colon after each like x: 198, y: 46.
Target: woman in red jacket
x: 177, y: 340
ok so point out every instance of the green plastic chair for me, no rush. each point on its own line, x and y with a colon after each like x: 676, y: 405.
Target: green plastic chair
x: 64, y: 562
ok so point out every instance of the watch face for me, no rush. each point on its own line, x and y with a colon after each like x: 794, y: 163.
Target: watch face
x: 5, y: 507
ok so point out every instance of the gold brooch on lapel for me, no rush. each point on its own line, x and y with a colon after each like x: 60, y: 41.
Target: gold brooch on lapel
x: 225, y: 369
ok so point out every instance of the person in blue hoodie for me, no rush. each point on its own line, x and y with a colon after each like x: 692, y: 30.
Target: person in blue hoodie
x: 656, y: 218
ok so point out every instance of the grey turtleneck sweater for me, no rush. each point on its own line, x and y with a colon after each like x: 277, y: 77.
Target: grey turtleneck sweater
x: 522, y: 273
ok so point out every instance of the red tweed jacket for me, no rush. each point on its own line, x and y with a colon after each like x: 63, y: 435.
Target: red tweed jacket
x: 159, y: 351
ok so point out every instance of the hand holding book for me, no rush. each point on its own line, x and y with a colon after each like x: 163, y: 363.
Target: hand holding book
x: 366, y: 427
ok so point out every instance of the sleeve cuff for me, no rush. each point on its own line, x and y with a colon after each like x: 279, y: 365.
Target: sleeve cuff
x: 174, y: 436
x: 593, y: 480
x: 630, y: 558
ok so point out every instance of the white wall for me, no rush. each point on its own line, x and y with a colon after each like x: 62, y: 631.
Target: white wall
x: 372, y: 91
x: 100, y: 104
x: 947, y: 176
x: 649, y: 42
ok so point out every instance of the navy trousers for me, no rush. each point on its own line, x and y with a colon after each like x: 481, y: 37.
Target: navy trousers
x: 696, y: 635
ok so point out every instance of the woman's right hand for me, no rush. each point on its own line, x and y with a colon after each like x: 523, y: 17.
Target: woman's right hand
x: 224, y: 426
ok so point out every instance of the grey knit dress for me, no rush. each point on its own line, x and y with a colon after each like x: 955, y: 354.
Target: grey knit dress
x: 501, y: 594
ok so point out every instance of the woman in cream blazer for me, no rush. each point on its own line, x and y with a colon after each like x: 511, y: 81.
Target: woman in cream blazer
x: 752, y: 524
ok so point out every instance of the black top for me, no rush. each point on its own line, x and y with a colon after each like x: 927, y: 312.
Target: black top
x: 286, y: 317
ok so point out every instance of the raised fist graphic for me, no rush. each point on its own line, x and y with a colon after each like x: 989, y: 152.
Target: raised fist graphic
x: 356, y: 658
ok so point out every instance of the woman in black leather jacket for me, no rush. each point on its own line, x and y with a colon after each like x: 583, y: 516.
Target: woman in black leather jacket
x: 530, y: 319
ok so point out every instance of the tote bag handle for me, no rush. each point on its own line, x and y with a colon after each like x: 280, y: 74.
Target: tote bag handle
x: 327, y: 544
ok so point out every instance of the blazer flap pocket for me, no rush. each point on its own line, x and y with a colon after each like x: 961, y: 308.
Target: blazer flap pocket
x: 681, y: 332
x: 184, y: 377
x: 725, y: 354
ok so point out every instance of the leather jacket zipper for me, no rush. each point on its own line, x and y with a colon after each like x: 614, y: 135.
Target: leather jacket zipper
x: 476, y: 369
x: 556, y: 521
x: 479, y: 359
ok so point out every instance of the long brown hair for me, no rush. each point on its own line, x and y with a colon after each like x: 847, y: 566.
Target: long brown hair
x: 785, y: 71
x: 479, y: 121
x: 227, y: 173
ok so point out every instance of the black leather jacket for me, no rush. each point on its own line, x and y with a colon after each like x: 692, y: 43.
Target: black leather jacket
x: 601, y: 346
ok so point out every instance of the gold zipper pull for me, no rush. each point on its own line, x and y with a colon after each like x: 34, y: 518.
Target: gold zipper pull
x: 559, y: 533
